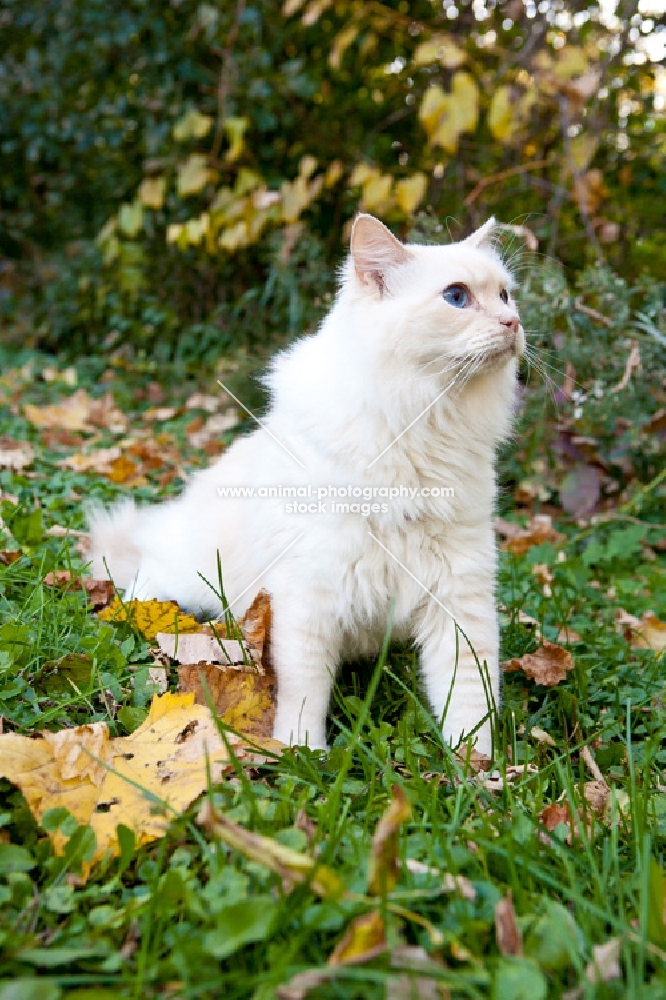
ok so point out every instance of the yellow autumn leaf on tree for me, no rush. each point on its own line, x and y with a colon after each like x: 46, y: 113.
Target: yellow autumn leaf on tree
x: 234, y: 237
x: 150, y: 617
x: 152, y: 191
x: 341, y: 43
x: 439, y: 49
x: 334, y: 172
x: 234, y: 129
x: 193, y: 174
x: 500, y: 115
x: 377, y: 192
x: 193, y: 125
x: 130, y: 218
x: 361, y: 173
x: 409, y: 192
x: 446, y: 116
x: 142, y: 781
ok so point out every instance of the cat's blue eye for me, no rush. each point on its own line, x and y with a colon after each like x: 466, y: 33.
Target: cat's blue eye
x: 504, y: 295
x: 456, y: 295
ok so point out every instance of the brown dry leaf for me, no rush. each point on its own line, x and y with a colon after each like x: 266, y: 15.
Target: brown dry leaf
x: 520, y: 540
x: 474, y: 759
x: 633, y: 365
x: 496, y: 782
x: 104, y: 782
x: 150, y: 617
x: 17, y: 456
x: 383, y: 864
x: 568, y: 635
x: 213, y: 428
x: 158, y: 414
x: 554, y: 814
x: 94, y: 461
x: 256, y: 623
x: 596, y: 795
x: 208, y: 403
x: 548, y: 665
x: 646, y: 632
x: 78, y: 412
x: 122, y: 469
x: 364, y: 939
x: 9, y: 556
x: 70, y: 414
x: 244, y: 699
x: 292, y: 867
x: 507, y: 934
x: 100, y: 592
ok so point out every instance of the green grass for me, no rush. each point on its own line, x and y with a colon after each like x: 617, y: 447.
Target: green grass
x: 186, y: 917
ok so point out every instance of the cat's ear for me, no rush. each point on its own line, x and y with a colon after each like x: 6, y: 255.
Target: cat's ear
x: 484, y: 237
x: 375, y: 252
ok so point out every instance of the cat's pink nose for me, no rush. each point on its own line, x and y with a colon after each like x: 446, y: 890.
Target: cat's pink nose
x: 512, y: 324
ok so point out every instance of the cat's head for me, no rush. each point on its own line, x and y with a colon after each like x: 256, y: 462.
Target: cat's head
x: 443, y: 309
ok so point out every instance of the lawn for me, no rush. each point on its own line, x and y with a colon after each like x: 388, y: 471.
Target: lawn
x: 540, y: 877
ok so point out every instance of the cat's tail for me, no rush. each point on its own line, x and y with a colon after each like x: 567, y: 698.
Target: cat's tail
x: 114, y: 549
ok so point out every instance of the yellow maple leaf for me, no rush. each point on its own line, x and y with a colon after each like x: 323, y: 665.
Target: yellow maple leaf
x: 142, y: 780
x: 150, y: 617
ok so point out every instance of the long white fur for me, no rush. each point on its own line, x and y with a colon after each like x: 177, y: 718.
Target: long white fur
x: 388, y: 348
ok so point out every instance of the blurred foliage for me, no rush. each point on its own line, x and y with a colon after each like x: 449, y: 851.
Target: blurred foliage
x: 180, y: 175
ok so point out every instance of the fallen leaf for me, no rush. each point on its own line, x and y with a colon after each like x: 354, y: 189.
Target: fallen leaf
x: 150, y: 617
x: 554, y: 814
x: 520, y: 540
x: 548, y: 665
x: 121, y: 469
x: 201, y: 648
x: 605, y: 964
x: 422, y: 981
x: 100, y: 592
x: 203, y: 401
x: 94, y: 461
x: 158, y: 677
x: 646, y: 632
x: 580, y: 490
x: 243, y: 698
x: 568, y: 635
x: 291, y: 866
x: 9, y: 556
x: 383, y: 865
x: 508, y: 936
x: 17, y: 457
x: 302, y: 983
x: 78, y: 412
x: 633, y: 365
x: 541, y: 736
x: 473, y: 758
x: 213, y: 428
x: 364, y: 939
x: 256, y: 624
x: 159, y: 414
x: 142, y: 780
x: 596, y: 795
x: 496, y: 782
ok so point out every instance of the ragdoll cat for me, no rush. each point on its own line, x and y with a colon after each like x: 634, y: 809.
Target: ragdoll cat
x: 398, y: 403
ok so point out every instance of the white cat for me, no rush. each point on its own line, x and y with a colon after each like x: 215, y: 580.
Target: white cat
x: 408, y: 388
